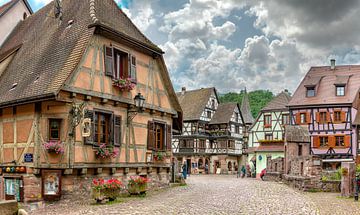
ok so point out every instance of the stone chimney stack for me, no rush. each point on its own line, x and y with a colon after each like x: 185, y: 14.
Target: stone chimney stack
x: 332, y: 63
x: 183, y: 90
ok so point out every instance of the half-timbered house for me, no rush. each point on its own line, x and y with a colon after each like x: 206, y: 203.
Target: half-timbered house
x: 326, y: 102
x: 212, y: 133
x: 267, y: 133
x: 68, y: 78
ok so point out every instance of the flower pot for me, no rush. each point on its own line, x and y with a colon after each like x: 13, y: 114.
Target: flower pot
x: 111, y: 193
x: 97, y: 195
x: 136, y: 189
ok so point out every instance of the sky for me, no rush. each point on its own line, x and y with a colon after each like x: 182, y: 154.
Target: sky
x: 257, y: 44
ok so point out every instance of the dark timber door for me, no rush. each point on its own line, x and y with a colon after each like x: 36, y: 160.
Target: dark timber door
x: 188, y: 162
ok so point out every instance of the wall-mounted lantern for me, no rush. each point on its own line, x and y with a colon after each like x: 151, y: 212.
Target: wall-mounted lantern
x: 139, y: 101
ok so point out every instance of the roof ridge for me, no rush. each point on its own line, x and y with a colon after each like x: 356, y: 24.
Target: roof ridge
x: 93, y: 11
x: 206, y: 88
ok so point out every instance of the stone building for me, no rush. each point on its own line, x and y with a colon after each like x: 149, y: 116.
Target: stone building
x: 212, y: 133
x: 11, y: 13
x: 78, y: 84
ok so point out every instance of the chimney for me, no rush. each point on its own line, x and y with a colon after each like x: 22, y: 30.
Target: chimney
x: 332, y: 63
x: 183, y: 90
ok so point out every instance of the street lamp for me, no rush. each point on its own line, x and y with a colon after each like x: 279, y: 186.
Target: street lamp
x: 139, y: 101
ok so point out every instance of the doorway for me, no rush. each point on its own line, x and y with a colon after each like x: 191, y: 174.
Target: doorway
x: 14, y: 189
x: 216, y: 166
x: 188, y: 164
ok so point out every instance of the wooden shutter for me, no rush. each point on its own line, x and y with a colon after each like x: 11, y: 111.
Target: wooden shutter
x: 343, y: 116
x: 328, y: 117
x: 332, y: 141
x: 117, y: 131
x: 132, y: 67
x: 316, y: 142
x: 91, y: 115
x: 308, y: 118
x: 317, y: 117
x: 168, y: 137
x: 151, y: 135
x: 347, y: 141
x: 297, y: 118
x: 109, y: 61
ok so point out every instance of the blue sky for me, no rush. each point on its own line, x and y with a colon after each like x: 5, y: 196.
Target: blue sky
x: 258, y: 44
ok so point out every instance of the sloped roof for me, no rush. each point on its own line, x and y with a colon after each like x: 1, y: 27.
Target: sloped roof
x: 357, y: 118
x: 245, y: 110
x: 193, y: 102
x: 7, y: 6
x: 50, y: 49
x: 224, y: 113
x: 324, y: 78
x: 278, y: 103
x: 297, y: 133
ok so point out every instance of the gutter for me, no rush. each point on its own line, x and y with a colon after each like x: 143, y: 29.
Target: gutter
x: 44, y: 97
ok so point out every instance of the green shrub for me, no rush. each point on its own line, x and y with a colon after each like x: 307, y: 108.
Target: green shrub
x: 324, y: 178
x: 358, y: 168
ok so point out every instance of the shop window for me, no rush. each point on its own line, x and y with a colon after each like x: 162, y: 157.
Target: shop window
x: 54, y: 129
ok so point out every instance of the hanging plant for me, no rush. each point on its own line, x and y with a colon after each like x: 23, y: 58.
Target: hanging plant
x: 105, y: 151
x: 124, y: 84
x: 54, y: 146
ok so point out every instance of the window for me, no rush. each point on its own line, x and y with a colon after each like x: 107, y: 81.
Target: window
x: 337, y: 116
x: 268, y: 136
x: 208, y: 114
x: 24, y: 16
x: 267, y: 121
x: 340, y: 90
x: 300, y: 150
x: 202, y: 144
x: 310, y: 91
x: 303, y: 118
x: 323, y: 117
x: 159, y: 136
x: 102, y: 129
x: 119, y: 64
x: 285, y: 120
x: 324, y: 141
x: 339, y: 141
x: 237, y: 129
x: 54, y: 129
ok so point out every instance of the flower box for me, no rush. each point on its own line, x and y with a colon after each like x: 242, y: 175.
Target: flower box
x: 105, y: 151
x: 137, y: 185
x: 106, y: 189
x: 54, y: 147
x: 124, y: 84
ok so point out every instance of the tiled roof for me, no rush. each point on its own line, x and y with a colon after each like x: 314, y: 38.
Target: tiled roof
x: 325, y: 78
x: 245, y: 110
x: 278, y: 103
x: 297, y: 133
x: 194, y: 102
x: 50, y: 49
x: 224, y: 113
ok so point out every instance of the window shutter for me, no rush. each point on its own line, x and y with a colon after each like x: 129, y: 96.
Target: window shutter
x: 168, y: 137
x: 117, y: 131
x: 316, y: 142
x: 332, y: 140
x: 308, y: 118
x: 343, y: 116
x: 132, y: 67
x: 347, y: 141
x: 328, y: 117
x: 111, y: 130
x: 318, y: 117
x: 109, y: 61
x: 298, y: 119
x: 90, y: 140
x: 151, y: 135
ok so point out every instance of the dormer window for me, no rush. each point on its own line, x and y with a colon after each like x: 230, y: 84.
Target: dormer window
x: 340, y: 90
x: 310, y: 91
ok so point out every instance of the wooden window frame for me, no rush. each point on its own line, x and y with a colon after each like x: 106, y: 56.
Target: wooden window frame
x: 269, y: 135
x: 114, y: 56
x: 50, y: 129
x: 52, y: 197
x: 323, y: 114
x: 320, y: 140
x: 108, y: 126
x: 310, y: 88
x: 267, y: 124
x: 336, y: 90
x: 287, y: 119
x: 301, y: 121
x: 336, y: 141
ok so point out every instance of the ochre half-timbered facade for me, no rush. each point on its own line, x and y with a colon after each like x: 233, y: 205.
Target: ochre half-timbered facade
x: 212, y: 136
x: 67, y: 111
x: 326, y: 103
x: 266, y: 136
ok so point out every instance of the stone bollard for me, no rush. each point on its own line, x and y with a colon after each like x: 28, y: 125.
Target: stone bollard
x: 347, y: 178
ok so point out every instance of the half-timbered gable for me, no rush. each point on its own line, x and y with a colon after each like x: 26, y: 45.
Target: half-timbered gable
x: 266, y: 135
x: 72, y: 82
x: 326, y: 103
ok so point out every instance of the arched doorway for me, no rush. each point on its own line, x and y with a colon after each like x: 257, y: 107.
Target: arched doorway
x: 229, y: 166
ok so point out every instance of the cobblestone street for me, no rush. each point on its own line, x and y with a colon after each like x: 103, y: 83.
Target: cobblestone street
x: 219, y: 195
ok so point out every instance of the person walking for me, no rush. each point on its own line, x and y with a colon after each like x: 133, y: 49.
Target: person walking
x: 238, y: 173
x: 243, y: 171
x: 206, y: 168
x: 184, y: 170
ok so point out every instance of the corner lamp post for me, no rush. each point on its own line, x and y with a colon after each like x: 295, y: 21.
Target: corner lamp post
x: 139, y: 101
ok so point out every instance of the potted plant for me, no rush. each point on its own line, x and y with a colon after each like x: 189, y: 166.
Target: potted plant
x: 137, y: 185
x: 159, y: 156
x: 53, y: 146
x: 104, y: 151
x: 106, y: 189
x: 97, y: 188
x: 124, y: 84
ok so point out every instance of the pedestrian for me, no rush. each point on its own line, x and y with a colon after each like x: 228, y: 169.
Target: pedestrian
x: 243, y: 171
x: 262, y: 174
x: 184, y: 170
x: 206, y: 168
x: 238, y: 173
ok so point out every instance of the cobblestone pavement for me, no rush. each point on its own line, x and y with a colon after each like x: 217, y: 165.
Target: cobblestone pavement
x: 218, y: 195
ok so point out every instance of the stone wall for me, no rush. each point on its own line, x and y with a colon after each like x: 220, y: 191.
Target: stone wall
x: 275, y: 165
x: 8, y: 207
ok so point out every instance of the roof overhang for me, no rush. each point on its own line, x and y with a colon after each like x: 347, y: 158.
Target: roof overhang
x: 39, y: 98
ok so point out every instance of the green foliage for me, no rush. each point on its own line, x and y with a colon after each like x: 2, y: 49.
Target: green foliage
x: 258, y: 99
x: 324, y: 178
x: 358, y: 168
